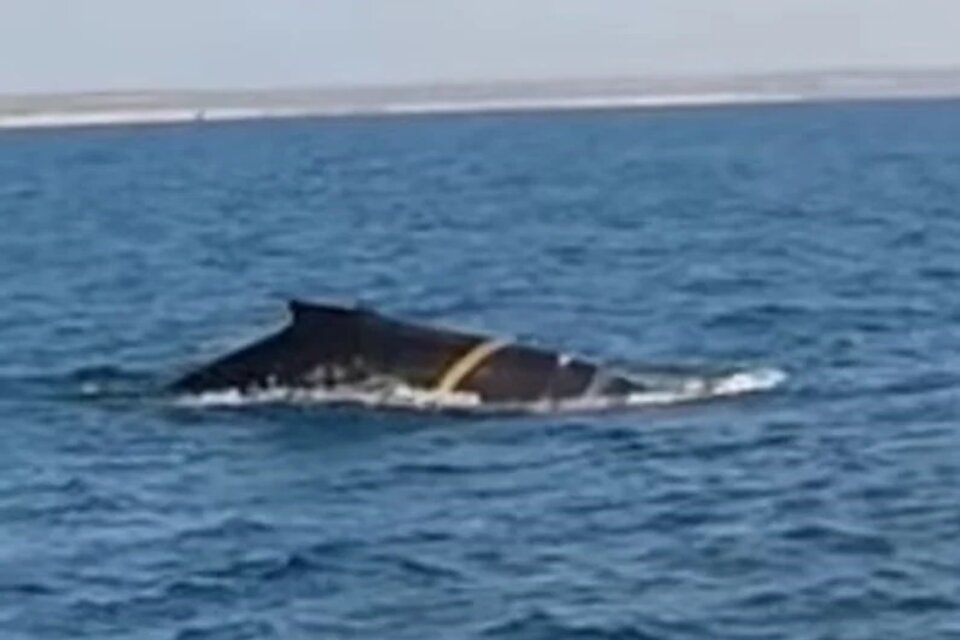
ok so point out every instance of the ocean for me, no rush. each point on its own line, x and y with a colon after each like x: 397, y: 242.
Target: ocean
x: 817, y: 240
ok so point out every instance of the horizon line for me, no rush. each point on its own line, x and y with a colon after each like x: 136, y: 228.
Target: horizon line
x: 889, y: 71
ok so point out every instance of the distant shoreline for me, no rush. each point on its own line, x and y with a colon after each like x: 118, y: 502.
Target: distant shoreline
x: 48, y: 111
x: 111, y: 117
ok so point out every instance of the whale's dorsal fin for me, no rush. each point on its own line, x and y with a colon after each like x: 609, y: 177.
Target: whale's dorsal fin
x: 301, y: 310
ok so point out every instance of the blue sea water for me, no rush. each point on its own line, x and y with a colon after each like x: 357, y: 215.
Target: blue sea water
x: 821, y: 240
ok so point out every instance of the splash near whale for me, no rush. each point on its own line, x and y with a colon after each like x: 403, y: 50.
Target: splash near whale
x: 346, y: 354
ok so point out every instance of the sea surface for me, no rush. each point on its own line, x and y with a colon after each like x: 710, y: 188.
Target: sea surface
x: 822, y: 241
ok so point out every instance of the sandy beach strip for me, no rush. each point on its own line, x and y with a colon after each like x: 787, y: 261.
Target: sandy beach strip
x: 115, y: 117
x: 145, y: 116
x: 45, y: 111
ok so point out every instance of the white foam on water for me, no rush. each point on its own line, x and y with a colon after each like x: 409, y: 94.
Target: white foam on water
x: 693, y: 389
x: 750, y: 382
x: 377, y: 394
x: 400, y: 396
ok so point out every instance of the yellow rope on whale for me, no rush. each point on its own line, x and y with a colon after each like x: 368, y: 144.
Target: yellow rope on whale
x: 467, y: 364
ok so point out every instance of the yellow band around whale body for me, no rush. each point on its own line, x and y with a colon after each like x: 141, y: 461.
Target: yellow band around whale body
x: 467, y: 364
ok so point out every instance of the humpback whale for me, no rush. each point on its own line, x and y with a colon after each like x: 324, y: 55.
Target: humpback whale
x: 330, y: 347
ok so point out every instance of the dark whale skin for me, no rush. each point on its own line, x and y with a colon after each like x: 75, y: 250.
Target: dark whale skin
x: 330, y: 345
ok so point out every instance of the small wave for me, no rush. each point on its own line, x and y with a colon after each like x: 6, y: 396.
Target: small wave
x: 230, y: 630
x: 86, y: 383
x: 540, y: 623
x: 110, y: 382
x: 27, y: 589
x: 232, y: 527
x: 665, y: 391
x: 840, y: 539
x: 413, y: 568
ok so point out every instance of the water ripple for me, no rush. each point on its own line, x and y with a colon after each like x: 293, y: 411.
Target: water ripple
x: 819, y: 241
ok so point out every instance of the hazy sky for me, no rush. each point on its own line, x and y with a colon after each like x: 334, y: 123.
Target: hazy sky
x: 109, y: 44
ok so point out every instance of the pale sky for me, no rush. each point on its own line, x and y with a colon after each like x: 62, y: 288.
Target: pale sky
x: 66, y: 45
